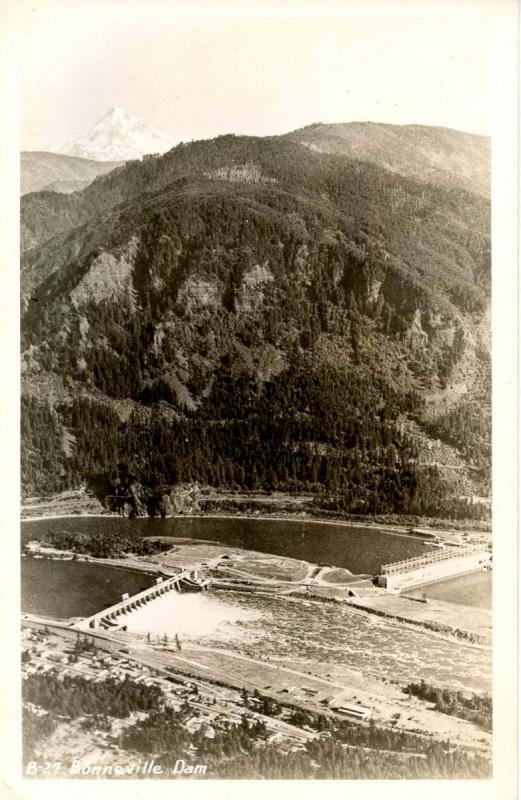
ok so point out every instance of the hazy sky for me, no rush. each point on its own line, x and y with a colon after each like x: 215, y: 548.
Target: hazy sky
x: 199, y: 77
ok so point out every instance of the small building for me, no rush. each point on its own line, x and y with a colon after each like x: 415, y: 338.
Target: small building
x: 351, y: 710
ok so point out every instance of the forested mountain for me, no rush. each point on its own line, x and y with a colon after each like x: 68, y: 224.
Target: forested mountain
x: 40, y: 170
x: 438, y: 155
x: 252, y: 313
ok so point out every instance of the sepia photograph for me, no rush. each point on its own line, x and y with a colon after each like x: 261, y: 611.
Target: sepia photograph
x: 256, y: 381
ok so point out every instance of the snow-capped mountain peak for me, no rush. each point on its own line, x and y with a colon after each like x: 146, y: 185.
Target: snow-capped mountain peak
x: 118, y: 136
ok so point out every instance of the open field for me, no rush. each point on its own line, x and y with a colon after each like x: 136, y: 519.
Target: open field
x: 290, y: 681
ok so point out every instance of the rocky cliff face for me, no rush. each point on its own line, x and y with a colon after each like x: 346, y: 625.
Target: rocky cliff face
x: 264, y: 314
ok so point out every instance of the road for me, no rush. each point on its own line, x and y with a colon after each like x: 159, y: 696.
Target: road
x: 209, y: 677
x: 162, y: 662
x: 171, y: 664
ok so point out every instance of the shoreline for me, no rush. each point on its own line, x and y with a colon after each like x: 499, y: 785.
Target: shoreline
x: 433, y: 627
x: 406, y: 613
x: 71, y: 516
x: 47, y: 553
x: 395, y: 529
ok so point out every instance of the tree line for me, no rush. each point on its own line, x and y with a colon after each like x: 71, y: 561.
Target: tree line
x: 476, y: 708
x: 294, y: 383
x: 345, y: 749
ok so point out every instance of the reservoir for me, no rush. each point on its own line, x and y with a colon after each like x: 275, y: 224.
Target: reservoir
x: 360, y: 550
x: 69, y: 588
x: 75, y: 588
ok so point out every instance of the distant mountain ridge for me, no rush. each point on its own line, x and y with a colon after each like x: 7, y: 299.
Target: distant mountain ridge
x: 118, y: 136
x: 251, y: 312
x: 436, y: 155
x: 44, y: 171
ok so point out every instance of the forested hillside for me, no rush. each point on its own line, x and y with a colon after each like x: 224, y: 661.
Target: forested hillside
x: 251, y: 313
x: 40, y: 170
x: 440, y: 156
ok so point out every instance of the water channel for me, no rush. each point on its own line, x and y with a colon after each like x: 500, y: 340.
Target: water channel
x: 68, y: 588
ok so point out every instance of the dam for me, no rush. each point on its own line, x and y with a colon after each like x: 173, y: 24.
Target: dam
x: 113, y: 617
x: 432, y: 567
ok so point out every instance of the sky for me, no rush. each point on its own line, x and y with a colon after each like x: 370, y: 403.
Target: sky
x: 198, y: 77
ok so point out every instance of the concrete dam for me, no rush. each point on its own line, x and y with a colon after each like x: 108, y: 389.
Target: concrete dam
x: 433, y: 567
x: 113, y: 618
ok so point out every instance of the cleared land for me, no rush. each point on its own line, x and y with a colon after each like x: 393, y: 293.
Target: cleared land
x: 291, y: 681
x: 270, y: 632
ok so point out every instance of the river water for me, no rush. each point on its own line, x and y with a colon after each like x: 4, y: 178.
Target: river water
x: 360, y: 550
x: 267, y: 624
x: 67, y: 588
x: 256, y: 624
x: 474, y: 589
x: 75, y: 588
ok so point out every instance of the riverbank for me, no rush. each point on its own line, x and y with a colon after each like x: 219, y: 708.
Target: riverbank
x: 448, y: 536
x: 37, y: 550
x: 213, y: 504
x: 307, y: 681
x: 397, y: 529
x: 248, y: 571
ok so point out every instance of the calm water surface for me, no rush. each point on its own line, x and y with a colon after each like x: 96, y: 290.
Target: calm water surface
x: 75, y: 588
x: 474, y: 589
x: 66, y: 588
x: 361, y: 550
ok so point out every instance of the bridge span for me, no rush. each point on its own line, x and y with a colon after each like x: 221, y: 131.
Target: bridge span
x: 113, y: 617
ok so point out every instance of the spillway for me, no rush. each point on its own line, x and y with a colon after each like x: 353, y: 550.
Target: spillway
x: 113, y: 617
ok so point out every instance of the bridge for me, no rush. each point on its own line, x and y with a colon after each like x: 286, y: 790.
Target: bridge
x: 113, y: 617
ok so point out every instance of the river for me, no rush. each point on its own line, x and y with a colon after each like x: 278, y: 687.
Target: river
x: 69, y: 588
x: 360, y: 550
x: 474, y: 589
x: 75, y: 588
